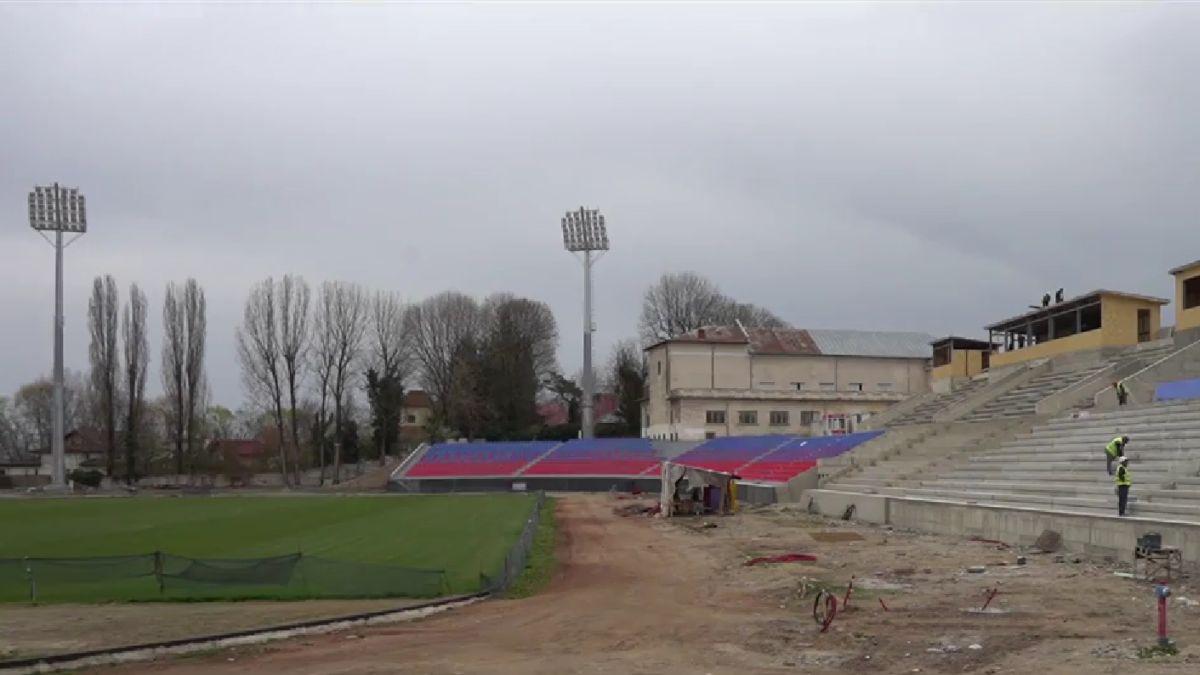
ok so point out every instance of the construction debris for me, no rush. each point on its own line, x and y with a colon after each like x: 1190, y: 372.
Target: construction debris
x: 785, y: 558
x: 977, y: 569
x: 1048, y: 541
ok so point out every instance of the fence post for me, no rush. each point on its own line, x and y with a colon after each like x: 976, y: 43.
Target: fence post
x: 158, y: 571
x: 32, y: 582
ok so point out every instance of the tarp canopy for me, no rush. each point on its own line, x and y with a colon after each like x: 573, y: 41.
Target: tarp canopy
x: 687, y: 477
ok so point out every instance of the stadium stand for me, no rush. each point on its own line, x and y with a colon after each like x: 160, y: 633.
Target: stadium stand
x: 800, y: 455
x: 597, y: 457
x: 729, y: 453
x: 452, y: 460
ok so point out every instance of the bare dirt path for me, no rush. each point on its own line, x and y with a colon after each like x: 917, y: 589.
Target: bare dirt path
x: 637, y: 595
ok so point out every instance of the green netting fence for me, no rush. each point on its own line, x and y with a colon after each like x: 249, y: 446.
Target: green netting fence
x: 163, y: 576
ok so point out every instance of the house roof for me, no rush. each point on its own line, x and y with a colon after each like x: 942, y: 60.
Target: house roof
x: 1184, y: 268
x: 814, y: 342
x: 238, y: 446
x: 1086, y: 298
x: 417, y: 398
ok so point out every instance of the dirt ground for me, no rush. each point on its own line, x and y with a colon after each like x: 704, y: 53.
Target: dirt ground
x: 641, y: 595
x: 56, y: 629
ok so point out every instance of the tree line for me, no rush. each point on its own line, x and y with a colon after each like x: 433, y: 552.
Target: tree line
x: 326, y: 368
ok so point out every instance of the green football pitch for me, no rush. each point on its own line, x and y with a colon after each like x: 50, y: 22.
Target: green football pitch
x: 229, y: 547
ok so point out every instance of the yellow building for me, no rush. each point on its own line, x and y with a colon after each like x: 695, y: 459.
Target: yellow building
x: 1093, y: 321
x: 735, y: 381
x: 1187, y: 296
x: 956, y: 358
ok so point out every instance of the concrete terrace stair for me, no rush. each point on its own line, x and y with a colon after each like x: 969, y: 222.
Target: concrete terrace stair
x: 1022, y: 401
x: 925, y: 452
x: 1059, y: 465
x: 924, y: 412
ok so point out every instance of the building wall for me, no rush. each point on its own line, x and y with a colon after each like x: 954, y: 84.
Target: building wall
x: 875, y: 374
x: 963, y: 363
x: 1118, y: 320
x: 1185, y: 319
x: 719, y: 367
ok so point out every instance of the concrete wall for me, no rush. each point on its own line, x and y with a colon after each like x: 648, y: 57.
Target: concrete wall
x: 1185, y: 319
x: 1093, y: 536
x: 1091, y: 340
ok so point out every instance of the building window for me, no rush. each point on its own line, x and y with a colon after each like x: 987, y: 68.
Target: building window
x: 710, y: 435
x: 714, y: 417
x: 884, y: 386
x: 747, y: 417
x: 779, y: 418
x: 809, y: 416
x: 828, y: 386
x: 941, y: 355
x: 855, y: 386
x: 660, y: 367
x: 799, y: 386
x: 1191, y: 293
x: 411, y: 419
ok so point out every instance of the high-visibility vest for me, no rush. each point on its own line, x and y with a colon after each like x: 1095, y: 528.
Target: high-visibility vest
x: 1114, y: 447
x: 1123, y: 476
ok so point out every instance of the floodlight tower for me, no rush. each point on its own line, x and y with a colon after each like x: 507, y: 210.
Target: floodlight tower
x: 584, y: 232
x: 57, y: 209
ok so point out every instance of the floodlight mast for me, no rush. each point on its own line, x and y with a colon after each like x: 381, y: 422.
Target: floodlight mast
x: 57, y: 209
x: 584, y: 232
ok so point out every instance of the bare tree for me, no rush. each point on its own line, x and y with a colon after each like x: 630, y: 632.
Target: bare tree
x: 322, y: 359
x: 261, y: 358
x: 684, y: 301
x: 137, y: 358
x: 535, y: 324
x: 103, y: 324
x: 294, y: 299
x: 627, y: 380
x: 174, y: 353
x: 387, y: 369
x: 195, y: 313
x: 33, y: 408
x: 344, y: 309
x: 184, y: 329
x: 437, y: 328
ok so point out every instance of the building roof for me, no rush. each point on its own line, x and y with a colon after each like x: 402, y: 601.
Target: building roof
x: 1085, y: 298
x: 1184, y: 268
x: 417, y: 398
x: 805, y: 342
x: 962, y: 342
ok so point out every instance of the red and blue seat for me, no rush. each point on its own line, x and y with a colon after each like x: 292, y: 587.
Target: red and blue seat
x: 453, y: 460
x: 729, y: 453
x: 597, y: 457
x: 799, y: 455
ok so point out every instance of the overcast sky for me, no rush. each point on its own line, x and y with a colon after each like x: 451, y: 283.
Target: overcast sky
x: 925, y: 167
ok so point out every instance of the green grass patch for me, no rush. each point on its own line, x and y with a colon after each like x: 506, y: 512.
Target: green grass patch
x: 542, y: 561
x: 366, y: 538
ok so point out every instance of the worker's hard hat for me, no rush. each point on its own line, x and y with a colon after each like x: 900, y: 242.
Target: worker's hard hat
x: 1123, y: 459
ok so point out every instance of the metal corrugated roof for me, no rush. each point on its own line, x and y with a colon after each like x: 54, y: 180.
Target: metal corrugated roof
x: 873, y: 343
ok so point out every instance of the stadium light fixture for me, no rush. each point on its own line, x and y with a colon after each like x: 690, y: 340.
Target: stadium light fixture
x: 584, y: 232
x: 57, y: 209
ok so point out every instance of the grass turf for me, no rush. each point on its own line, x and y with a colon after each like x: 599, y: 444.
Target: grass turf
x: 461, y: 534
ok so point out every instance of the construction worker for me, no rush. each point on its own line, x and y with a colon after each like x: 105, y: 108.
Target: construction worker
x: 1122, y: 392
x: 1123, y: 481
x: 1114, y: 449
